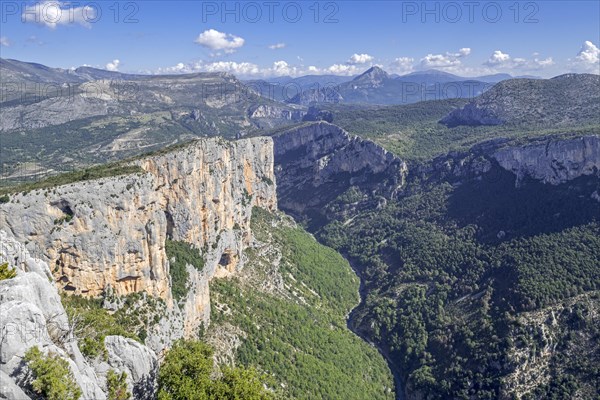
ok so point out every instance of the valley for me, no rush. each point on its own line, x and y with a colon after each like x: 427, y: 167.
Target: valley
x: 372, y: 248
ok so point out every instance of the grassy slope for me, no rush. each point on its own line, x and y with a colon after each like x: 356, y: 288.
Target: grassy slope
x: 298, y: 333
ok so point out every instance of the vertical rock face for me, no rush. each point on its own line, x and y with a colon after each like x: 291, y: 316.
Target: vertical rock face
x: 550, y: 160
x: 32, y: 315
x: 317, y: 162
x: 111, y: 232
x: 553, y: 161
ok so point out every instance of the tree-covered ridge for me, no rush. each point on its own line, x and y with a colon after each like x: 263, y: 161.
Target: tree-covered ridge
x: 290, y: 304
x: 447, y: 282
x: 414, y: 131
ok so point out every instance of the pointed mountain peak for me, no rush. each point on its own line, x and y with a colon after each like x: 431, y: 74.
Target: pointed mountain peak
x: 375, y: 74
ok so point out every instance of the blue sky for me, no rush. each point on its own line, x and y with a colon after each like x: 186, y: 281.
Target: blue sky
x: 543, y: 38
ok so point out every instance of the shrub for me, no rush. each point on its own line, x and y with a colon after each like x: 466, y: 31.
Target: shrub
x: 52, y: 377
x: 117, y: 386
x: 6, y: 273
x: 185, y: 375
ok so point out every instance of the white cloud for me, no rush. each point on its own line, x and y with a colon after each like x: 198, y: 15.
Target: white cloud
x: 445, y: 60
x: 241, y: 68
x: 113, y: 65
x: 4, y: 41
x: 543, y: 63
x: 277, y: 46
x: 402, y: 65
x: 499, y: 60
x: 360, y: 59
x: 281, y: 67
x: 438, y: 61
x: 589, y: 53
x: 53, y: 13
x: 216, y: 40
x: 343, y: 69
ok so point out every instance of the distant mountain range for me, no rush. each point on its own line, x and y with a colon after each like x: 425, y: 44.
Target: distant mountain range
x: 14, y: 71
x: 86, y: 115
x: 375, y: 86
x: 285, y: 88
x: 57, y: 117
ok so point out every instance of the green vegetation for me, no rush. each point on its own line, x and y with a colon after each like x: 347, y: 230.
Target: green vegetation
x: 4, y: 199
x: 6, y: 272
x: 93, y: 322
x: 413, y: 131
x: 180, y: 254
x: 53, y: 380
x: 186, y: 375
x: 449, y: 269
x: 96, y: 172
x: 64, y: 219
x: 117, y: 386
x: 298, y: 335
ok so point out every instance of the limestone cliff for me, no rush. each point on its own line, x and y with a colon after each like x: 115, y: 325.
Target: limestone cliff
x: 318, y: 161
x: 111, y: 232
x: 552, y: 161
x: 32, y: 315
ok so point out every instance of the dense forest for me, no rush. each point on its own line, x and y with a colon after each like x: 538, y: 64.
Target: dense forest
x: 288, y: 308
x: 457, y: 276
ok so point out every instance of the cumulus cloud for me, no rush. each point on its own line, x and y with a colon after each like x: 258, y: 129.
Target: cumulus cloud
x: 360, y: 59
x: 543, y: 63
x: 589, y: 53
x: 342, y: 69
x: 277, y: 46
x: 241, y: 68
x: 445, y: 60
x: 113, y: 65
x: 500, y: 60
x: 53, y: 13
x: 281, y: 68
x: 216, y: 40
x: 402, y: 65
x: 4, y: 41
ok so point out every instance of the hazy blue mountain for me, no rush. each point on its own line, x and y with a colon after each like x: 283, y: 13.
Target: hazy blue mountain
x: 376, y: 86
x: 284, y: 88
